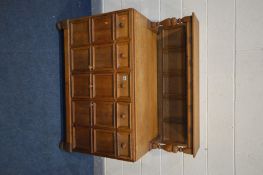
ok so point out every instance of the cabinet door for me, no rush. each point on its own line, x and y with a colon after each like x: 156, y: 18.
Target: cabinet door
x: 80, y: 59
x: 102, y: 28
x: 104, y: 114
x: 103, y: 57
x: 79, y: 33
x: 104, y: 142
x: 81, y: 86
x: 81, y: 113
x: 123, y: 85
x: 103, y: 85
x: 123, y: 115
x: 82, y: 139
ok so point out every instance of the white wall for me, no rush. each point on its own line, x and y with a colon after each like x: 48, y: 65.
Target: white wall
x: 231, y: 92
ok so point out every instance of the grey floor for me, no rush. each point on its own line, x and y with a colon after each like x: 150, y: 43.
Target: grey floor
x: 31, y: 88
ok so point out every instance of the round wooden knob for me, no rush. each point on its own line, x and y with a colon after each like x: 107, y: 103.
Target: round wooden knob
x: 121, y: 25
x: 121, y: 55
x: 123, y: 116
x: 123, y: 145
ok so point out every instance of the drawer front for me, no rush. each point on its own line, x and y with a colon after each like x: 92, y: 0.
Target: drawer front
x: 123, y: 115
x: 104, y: 142
x: 122, y: 25
x: 123, y: 85
x: 81, y: 85
x: 102, y: 28
x: 104, y: 114
x: 81, y: 113
x: 103, y: 85
x: 80, y: 33
x: 123, y: 55
x: 103, y: 57
x: 124, y: 145
x: 82, y: 139
x: 80, y: 59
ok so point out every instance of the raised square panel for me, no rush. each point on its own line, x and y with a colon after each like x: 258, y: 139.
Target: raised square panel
x: 80, y: 59
x: 81, y: 113
x: 122, y: 25
x: 82, y: 138
x: 104, y: 142
x: 123, y: 115
x: 123, y: 85
x: 80, y: 33
x: 102, y: 28
x: 103, y: 86
x: 124, y: 150
x: 123, y: 55
x: 104, y: 114
x: 81, y: 86
x: 103, y: 57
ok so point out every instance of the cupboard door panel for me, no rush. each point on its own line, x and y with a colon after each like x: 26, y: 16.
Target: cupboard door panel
x: 123, y: 85
x: 81, y: 85
x: 80, y: 59
x: 103, y: 57
x: 123, y: 55
x: 122, y: 25
x: 104, y: 142
x: 82, y: 139
x: 104, y: 114
x: 103, y: 86
x: 123, y: 115
x: 124, y: 143
x: 80, y: 33
x: 81, y: 113
x: 102, y: 28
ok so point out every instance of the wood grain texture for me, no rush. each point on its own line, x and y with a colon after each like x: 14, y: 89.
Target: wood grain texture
x: 145, y: 84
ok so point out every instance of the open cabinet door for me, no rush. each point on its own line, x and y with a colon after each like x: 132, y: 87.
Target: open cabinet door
x: 195, y: 52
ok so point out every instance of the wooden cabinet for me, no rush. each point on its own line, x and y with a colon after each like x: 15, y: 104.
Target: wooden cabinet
x: 131, y: 85
x: 111, y: 84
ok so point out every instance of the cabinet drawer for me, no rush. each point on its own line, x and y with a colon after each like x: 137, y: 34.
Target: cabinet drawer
x: 81, y: 85
x: 82, y: 139
x: 80, y: 59
x: 80, y: 33
x: 103, y: 57
x: 123, y: 55
x: 124, y: 145
x: 103, y: 114
x: 104, y: 142
x: 122, y: 25
x: 81, y: 113
x: 123, y: 85
x: 123, y: 115
x: 102, y: 30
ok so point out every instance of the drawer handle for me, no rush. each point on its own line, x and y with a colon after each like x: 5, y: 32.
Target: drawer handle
x: 122, y: 55
x: 121, y: 25
x: 123, y: 145
x: 123, y: 116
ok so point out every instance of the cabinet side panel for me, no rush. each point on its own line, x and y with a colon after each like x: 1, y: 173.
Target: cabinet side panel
x: 195, y: 39
x: 68, y: 141
x: 145, y: 84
